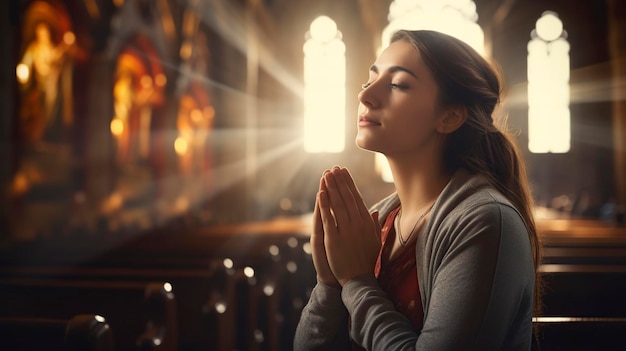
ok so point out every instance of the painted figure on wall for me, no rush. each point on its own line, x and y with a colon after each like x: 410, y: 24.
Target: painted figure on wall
x: 43, y: 181
x: 196, y: 114
x: 44, y: 74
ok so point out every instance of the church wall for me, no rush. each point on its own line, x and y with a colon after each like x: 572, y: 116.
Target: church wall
x: 252, y: 165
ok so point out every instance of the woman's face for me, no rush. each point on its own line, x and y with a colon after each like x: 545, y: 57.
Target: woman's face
x: 398, y: 105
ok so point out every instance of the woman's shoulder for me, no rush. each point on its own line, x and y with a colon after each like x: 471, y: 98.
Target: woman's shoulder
x: 470, y: 190
x: 473, y: 199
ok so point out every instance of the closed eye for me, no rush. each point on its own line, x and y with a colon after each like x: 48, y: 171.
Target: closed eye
x: 398, y: 86
x: 395, y: 86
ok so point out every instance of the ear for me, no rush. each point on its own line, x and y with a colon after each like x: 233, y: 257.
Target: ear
x: 452, y: 119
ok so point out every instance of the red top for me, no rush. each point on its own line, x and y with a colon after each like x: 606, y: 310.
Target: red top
x: 398, y: 277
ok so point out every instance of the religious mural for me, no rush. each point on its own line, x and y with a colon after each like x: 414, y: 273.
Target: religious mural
x: 158, y: 160
x: 42, y: 184
x: 137, y: 91
x: 161, y: 75
x: 196, y: 114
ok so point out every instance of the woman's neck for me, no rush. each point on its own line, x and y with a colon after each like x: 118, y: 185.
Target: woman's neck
x: 418, y: 182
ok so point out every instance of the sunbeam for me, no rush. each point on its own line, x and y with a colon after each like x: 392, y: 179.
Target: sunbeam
x: 230, y: 22
x: 224, y: 176
x: 592, y: 83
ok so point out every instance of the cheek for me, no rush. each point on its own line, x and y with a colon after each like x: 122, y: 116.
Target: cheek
x: 416, y: 121
x: 415, y: 115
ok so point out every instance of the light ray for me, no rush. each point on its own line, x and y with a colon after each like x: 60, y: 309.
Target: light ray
x: 227, y: 175
x: 229, y: 21
x: 592, y: 83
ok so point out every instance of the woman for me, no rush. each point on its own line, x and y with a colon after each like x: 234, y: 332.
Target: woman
x: 452, y: 264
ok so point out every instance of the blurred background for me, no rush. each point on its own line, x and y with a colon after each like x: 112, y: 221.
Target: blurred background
x: 157, y: 126
x: 134, y: 113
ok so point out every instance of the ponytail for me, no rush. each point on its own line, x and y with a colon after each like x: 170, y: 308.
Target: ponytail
x: 466, y: 79
x: 494, y: 154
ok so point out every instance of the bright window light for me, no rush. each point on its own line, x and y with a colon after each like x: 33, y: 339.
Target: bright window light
x: 456, y: 18
x: 324, y: 88
x: 548, y: 87
x: 453, y: 17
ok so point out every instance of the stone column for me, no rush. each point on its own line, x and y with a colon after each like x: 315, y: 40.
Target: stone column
x: 616, y: 13
x: 8, y: 28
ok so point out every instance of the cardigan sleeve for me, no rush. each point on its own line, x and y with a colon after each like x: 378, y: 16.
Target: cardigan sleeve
x: 323, y: 323
x: 482, y: 282
x: 482, y: 273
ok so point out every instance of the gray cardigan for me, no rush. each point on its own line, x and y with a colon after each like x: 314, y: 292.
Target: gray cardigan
x: 476, y: 279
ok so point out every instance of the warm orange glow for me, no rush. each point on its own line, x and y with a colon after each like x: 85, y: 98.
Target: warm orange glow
x: 22, y: 72
x: 209, y: 112
x: 182, y: 204
x: 196, y: 116
x: 113, y: 203
x: 146, y: 81
x: 181, y: 146
x: 160, y: 80
x: 185, y: 50
x: 20, y: 184
x: 69, y: 38
x: 117, y: 127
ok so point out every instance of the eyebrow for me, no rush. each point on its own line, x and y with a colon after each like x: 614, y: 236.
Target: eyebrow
x: 394, y: 69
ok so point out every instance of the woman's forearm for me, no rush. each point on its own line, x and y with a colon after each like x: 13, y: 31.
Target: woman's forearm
x: 323, y: 324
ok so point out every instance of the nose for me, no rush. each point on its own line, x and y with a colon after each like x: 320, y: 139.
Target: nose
x: 367, y: 96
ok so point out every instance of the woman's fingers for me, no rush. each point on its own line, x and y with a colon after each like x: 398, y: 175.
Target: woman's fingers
x: 336, y: 199
x: 328, y: 219
x: 351, y: 234
x: 344, y: 198
x: 318, y: 229
x: 356, y: 195
x: 320, y: 259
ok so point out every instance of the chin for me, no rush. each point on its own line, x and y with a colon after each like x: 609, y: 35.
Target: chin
x: 364, y: 145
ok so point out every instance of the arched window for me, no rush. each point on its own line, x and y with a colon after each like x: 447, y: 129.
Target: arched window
x: 453, y: 17
x: 548, y: 86
x: 324, y: 87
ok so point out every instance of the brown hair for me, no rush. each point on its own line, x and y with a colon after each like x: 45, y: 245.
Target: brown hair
x: 466, y: 79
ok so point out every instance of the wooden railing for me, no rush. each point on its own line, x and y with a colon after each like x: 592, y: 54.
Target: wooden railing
x: 78, y: 333
x: 243, y: 287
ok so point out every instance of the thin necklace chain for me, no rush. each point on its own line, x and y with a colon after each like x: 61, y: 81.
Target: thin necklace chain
x: 402, y: 241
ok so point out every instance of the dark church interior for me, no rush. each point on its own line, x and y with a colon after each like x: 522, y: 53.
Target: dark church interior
x: 158, y: 176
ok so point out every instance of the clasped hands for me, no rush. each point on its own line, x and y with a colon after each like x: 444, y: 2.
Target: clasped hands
x: 345, y: 240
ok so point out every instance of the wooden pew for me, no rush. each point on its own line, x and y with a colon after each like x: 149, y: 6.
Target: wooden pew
x: 584, y: 290
x: 161, y: 247
x: 79, y: 333
x: 161, y: 255
x: 192, y: 288
x: 579, y: 334
x: 255, y: 305
x: 139, y: 313
x: 189, y: 263
x: 584, y: 307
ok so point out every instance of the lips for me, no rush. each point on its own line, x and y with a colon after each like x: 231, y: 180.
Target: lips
x: 368, y: 121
